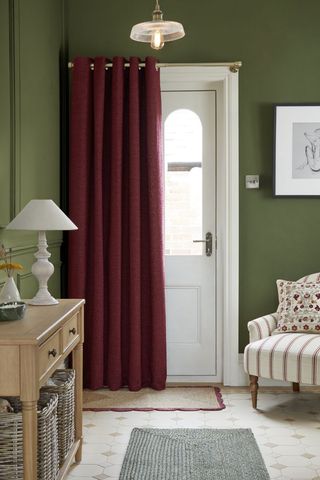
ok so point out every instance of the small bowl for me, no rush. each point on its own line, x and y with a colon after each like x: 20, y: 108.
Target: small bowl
x: 12, y: 311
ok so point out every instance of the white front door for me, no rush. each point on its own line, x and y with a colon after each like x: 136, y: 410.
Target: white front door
x: 189, y: 122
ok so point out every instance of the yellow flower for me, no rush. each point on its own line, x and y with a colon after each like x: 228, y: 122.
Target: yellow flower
x: 11, y: 266
x: 16, y: 266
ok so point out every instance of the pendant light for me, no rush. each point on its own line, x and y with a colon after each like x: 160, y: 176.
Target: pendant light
x: 157, y: 31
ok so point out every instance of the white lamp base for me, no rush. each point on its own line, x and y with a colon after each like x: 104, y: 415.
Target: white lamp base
x: 41, y: 299
x: 42, y: 269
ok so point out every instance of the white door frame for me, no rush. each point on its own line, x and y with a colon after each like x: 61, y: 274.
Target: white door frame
x: 227, y: 263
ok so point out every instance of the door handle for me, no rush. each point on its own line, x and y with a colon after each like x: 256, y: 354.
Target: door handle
x: 208, y: 242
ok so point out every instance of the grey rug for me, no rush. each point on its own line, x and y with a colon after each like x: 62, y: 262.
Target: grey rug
x: 193, y: 454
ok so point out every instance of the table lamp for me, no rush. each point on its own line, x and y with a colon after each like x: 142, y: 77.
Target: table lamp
x: 42, y: 215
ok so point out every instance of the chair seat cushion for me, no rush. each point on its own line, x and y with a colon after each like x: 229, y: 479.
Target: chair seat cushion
x: 293, y: 357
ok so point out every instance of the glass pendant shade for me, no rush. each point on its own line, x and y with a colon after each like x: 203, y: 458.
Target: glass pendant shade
x: 143, y: 32
x: 157, y: 31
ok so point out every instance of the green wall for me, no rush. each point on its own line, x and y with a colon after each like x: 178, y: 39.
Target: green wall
x: 31, y: 42
x: 278, y: 42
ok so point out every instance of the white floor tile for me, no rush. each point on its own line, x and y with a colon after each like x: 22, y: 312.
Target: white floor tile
x: 286, y: 427
x: 84, y: 470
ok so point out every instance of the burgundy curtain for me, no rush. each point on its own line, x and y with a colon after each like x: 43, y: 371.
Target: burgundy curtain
x: 116, y: 200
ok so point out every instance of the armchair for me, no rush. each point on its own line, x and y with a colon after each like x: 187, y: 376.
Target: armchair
x: 291, y: 357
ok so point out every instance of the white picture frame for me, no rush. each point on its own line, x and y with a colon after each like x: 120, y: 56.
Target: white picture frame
x: 297, y: 150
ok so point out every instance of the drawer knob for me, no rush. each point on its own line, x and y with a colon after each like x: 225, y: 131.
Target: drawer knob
x: 52, y: 352
x: 73, y: 331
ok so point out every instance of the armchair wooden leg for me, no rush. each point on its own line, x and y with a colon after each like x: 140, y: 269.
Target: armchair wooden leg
x: 295, y: 387
x: 254, y: 389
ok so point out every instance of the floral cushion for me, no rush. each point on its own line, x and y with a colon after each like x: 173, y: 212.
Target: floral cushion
x: 312, y: 277
x: 299, y: 307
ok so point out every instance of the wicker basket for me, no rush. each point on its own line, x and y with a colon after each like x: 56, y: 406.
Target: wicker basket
x: 11, y: 440
x: 65, y: 410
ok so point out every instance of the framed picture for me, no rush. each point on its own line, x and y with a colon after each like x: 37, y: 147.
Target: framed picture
x: 297, y: 150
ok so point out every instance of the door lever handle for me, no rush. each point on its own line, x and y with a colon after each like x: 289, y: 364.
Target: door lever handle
x: 208, y: 242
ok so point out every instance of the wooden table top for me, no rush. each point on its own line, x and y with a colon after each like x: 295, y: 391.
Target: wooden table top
x: 38, y: 323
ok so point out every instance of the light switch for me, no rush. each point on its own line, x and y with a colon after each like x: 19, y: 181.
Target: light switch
x: 252, y: 181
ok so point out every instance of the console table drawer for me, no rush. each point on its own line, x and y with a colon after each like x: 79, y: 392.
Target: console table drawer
x: 70, y: 332
x: 49, y: 353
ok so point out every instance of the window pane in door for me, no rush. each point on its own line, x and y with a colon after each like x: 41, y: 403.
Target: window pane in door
x: 183, y: 183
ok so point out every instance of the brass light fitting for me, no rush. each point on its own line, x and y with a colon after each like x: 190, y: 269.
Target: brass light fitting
x: 157, y: 31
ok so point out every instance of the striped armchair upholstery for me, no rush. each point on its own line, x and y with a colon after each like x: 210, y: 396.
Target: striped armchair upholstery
x: 293, y: 357
x: 262, y: 327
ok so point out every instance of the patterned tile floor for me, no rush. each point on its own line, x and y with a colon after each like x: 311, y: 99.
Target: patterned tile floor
x: 286, y: 427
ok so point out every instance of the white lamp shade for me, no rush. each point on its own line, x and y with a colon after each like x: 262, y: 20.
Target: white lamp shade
x: 41, y: 215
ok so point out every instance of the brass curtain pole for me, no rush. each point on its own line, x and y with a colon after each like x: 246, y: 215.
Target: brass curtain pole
x: 233, y: 66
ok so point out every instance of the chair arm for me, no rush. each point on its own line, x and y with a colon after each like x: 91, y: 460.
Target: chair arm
x: 262, y: 327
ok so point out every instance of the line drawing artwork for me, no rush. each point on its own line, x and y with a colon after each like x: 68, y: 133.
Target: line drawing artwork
x: 313, y: 150
x: 306, y: 151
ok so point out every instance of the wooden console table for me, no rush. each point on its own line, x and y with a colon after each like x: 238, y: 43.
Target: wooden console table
x: 30, y: 351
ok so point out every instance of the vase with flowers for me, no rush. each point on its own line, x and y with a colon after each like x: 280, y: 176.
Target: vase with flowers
x: 9, y: 292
